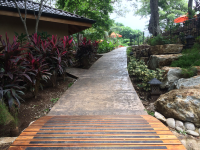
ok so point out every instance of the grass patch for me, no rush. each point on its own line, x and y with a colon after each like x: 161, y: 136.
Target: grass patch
x: 54, y: 100
x: 190, y: 57
x: 70, y: 84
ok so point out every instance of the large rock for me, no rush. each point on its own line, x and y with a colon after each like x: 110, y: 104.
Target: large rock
x: 166, y: 49
x: 183, y: 104
x: 160, y: 117
x: 170, y: 79
x: 158, y: 61
x: 167, y: 68
x: 171, y: 122
x: 180, y: 124
x: 192, y: 133
x: 189, y: 126
x: 193, y: 82
x: 198, y: 69
x: 5, y: 142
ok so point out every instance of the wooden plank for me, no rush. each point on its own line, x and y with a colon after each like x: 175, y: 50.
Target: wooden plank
x: 107, y: 127
x: 65, y: 137
x: 97, y: 133
x: 157, y: 147
x: 94, y: 128
x: 97, y: 130
x: 130, y: 134
x: 88, y: 143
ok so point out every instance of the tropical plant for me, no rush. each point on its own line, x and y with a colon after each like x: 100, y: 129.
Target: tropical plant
x: 85, y: 51
x: 39, y: 70
x: 12, y: 70
x: 141, y: 71
x: 106, y: 46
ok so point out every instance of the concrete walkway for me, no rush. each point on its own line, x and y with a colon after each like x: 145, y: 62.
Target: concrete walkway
x: 104, y: 89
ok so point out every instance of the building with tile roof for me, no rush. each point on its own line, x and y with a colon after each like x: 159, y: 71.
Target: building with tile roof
x: 53, y: 21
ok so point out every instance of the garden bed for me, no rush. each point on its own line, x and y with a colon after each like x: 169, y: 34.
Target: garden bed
x: 145, y: 96
x: 34, y: 108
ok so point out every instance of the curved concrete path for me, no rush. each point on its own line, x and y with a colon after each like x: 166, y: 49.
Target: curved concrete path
x: 104, y: 89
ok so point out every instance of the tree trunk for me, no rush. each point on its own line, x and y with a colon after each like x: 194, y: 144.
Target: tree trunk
x: 190, y: 3
x: 39, y: 14
x: 154, y: 27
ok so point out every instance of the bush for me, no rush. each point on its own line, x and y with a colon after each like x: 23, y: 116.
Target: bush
x: 27, y: 66
x: 128, y: 50
x: 141, y: 71
x: 105, y: 47
x: 161, y: 40
x: 189, y: 58
x: 189, y: 72
x: 87, y: 49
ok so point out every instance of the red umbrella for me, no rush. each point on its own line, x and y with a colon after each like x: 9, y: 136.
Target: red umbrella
x: 182, y: 19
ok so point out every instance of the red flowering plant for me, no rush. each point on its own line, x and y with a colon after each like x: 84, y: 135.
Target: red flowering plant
x: 12, y: 71
x: 39, y: 70
x: 85, y: 52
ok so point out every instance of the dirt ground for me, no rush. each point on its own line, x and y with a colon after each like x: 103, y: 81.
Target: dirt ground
x: 33, y: 108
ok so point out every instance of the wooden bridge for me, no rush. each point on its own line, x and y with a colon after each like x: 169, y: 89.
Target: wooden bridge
x: 141, y: 132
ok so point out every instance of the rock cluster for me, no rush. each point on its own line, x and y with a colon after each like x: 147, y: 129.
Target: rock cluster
x: 186, y: 127
x: 180, y: 104
x: 160, y: 55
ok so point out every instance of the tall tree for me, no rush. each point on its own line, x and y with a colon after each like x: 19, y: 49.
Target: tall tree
x: 190, y: 4
x: 94, y: 9
x: 168, y: 10
x: 37, y: 18
x: 154, y: 27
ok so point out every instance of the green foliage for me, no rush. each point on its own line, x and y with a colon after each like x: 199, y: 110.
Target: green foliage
x: 105, y: 47
x: 150, y: 112
x: 97, y: 10
x: 141, y: 71
x: 168, y: 10
x: 21, y: 38
x: 70, y: 84
x: 128, y: 50
x: 182, y: 132
x: 189, y: 72
x: 43, y: 35
x: 159, y: 40
x: 189, y: 58
x: 54, y: 100
x: 3, y: 112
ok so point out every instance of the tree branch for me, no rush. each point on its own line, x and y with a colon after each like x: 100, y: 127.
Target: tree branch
x: 23, y: 20
x: 39, y: 14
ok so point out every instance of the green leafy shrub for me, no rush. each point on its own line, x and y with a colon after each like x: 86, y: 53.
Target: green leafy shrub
x: 105, y: 47
x: 128, y: 50
x: 189, y: 72
x: 141, y: 71
x: 189, y: 58
x: 161, y: 40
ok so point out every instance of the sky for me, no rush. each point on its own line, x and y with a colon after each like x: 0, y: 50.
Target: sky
x: 135, y: 22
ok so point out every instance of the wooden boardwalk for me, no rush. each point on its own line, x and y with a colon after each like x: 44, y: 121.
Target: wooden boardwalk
x: 141, y: 132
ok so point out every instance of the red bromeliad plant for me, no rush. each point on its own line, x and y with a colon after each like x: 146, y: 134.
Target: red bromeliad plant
x: 39, y: 70
x: 12, y: 70
x: 30, y: 64
x: 67, y: 46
